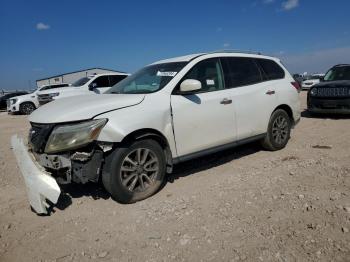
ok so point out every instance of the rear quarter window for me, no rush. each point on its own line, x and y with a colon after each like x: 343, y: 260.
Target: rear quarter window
x: 270, y: 69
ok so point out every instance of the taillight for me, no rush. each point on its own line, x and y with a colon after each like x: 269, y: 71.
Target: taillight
x: 297, y: 86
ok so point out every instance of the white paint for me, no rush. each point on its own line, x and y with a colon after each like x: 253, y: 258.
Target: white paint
x: 82, y: 107
x: 199, y: 122
x: 40, y: 185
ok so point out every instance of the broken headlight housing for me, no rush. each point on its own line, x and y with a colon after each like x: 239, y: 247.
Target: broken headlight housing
x: 72, y: 136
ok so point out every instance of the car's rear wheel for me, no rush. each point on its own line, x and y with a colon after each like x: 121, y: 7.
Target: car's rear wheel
x: 26, y: 108
x: 136, y: 171
x: 278, y: 132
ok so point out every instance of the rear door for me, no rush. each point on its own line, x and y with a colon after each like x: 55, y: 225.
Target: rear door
x: 253, y: 97
x: 204, y: 119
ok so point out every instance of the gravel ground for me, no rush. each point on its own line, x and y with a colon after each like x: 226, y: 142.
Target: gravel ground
x: 243, y: 204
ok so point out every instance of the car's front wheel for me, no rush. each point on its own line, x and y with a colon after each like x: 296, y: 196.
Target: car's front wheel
x: 278, y: 132
x: 26, y: 108
x: 136, y: 171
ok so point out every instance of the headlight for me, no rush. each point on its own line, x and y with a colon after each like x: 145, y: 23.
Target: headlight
x: 313, y: 92
x: 13, y: 101
x: 67, y: 137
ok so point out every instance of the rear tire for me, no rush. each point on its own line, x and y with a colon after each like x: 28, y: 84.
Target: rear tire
x: 26, y: 108
x: 278, y: 132
x: 136, y: 171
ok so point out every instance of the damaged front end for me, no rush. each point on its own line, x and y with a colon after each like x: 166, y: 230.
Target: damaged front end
x: 59, y: 154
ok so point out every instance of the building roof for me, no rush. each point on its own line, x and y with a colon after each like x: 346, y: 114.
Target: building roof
x: 80, y: 71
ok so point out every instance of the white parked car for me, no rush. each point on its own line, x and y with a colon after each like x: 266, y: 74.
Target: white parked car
x: 94, y: 84
x: 26, y: 104
x: 311, y: 81
x: 168, y: 112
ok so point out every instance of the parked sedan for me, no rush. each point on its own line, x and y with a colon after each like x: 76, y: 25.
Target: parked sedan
x: 333, y: 94
x: 5, y: 97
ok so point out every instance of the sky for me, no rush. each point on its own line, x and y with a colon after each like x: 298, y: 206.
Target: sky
x: 43, y: 38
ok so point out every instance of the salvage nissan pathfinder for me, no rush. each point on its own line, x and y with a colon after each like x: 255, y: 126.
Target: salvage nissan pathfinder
x: 168, y: 112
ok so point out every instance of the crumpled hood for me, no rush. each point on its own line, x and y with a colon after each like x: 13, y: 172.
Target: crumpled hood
x: 341, y: 83
x: 82, y: 107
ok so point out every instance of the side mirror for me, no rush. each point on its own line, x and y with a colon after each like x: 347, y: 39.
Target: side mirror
x: 190, y: 85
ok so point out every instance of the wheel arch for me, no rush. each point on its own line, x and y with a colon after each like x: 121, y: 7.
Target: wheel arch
x: 288, y: 110
x: 27, y: 102
x: 149, y: 133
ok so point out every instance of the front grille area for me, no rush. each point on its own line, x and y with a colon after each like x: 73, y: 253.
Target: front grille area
x: 8, y: 103
x: 38, y: 136
x: 333, y: 92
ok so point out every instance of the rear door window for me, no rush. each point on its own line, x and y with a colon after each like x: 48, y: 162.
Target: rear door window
x: 271, y: 70
x: 240, y: 71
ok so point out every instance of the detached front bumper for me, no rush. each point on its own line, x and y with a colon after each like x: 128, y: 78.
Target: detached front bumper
x: 40, y: 185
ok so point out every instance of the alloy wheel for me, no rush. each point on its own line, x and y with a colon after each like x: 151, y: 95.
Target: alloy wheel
x: 139, y: 170
x: 27, y: 109
x: 280, y: 129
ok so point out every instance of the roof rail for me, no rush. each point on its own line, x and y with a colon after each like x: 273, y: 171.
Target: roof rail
x: 236, y: 51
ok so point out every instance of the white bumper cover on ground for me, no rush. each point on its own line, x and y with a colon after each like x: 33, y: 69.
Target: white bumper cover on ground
x: 40, y: 185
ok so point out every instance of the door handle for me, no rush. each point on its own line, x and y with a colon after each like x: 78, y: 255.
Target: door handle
x: 226, y: 101
x: 271, y: 92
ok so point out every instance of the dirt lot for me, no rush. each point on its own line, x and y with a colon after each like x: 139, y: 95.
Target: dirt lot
x: 243, y: 204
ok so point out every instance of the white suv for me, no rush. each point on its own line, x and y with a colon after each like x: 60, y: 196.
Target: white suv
x: 168, y: 112
x: 26, y: 104
x: 94, y: 84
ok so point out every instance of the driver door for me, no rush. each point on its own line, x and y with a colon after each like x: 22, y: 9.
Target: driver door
x: 204, y: 119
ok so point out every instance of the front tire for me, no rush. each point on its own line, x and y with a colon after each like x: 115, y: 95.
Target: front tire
x: 26, y: 108
x: 278, y: 132
x: 136, y: 171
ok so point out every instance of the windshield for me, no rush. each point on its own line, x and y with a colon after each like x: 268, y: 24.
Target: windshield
x: 338, y: 73
x: 81, y: 81
x: 148, y: 80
